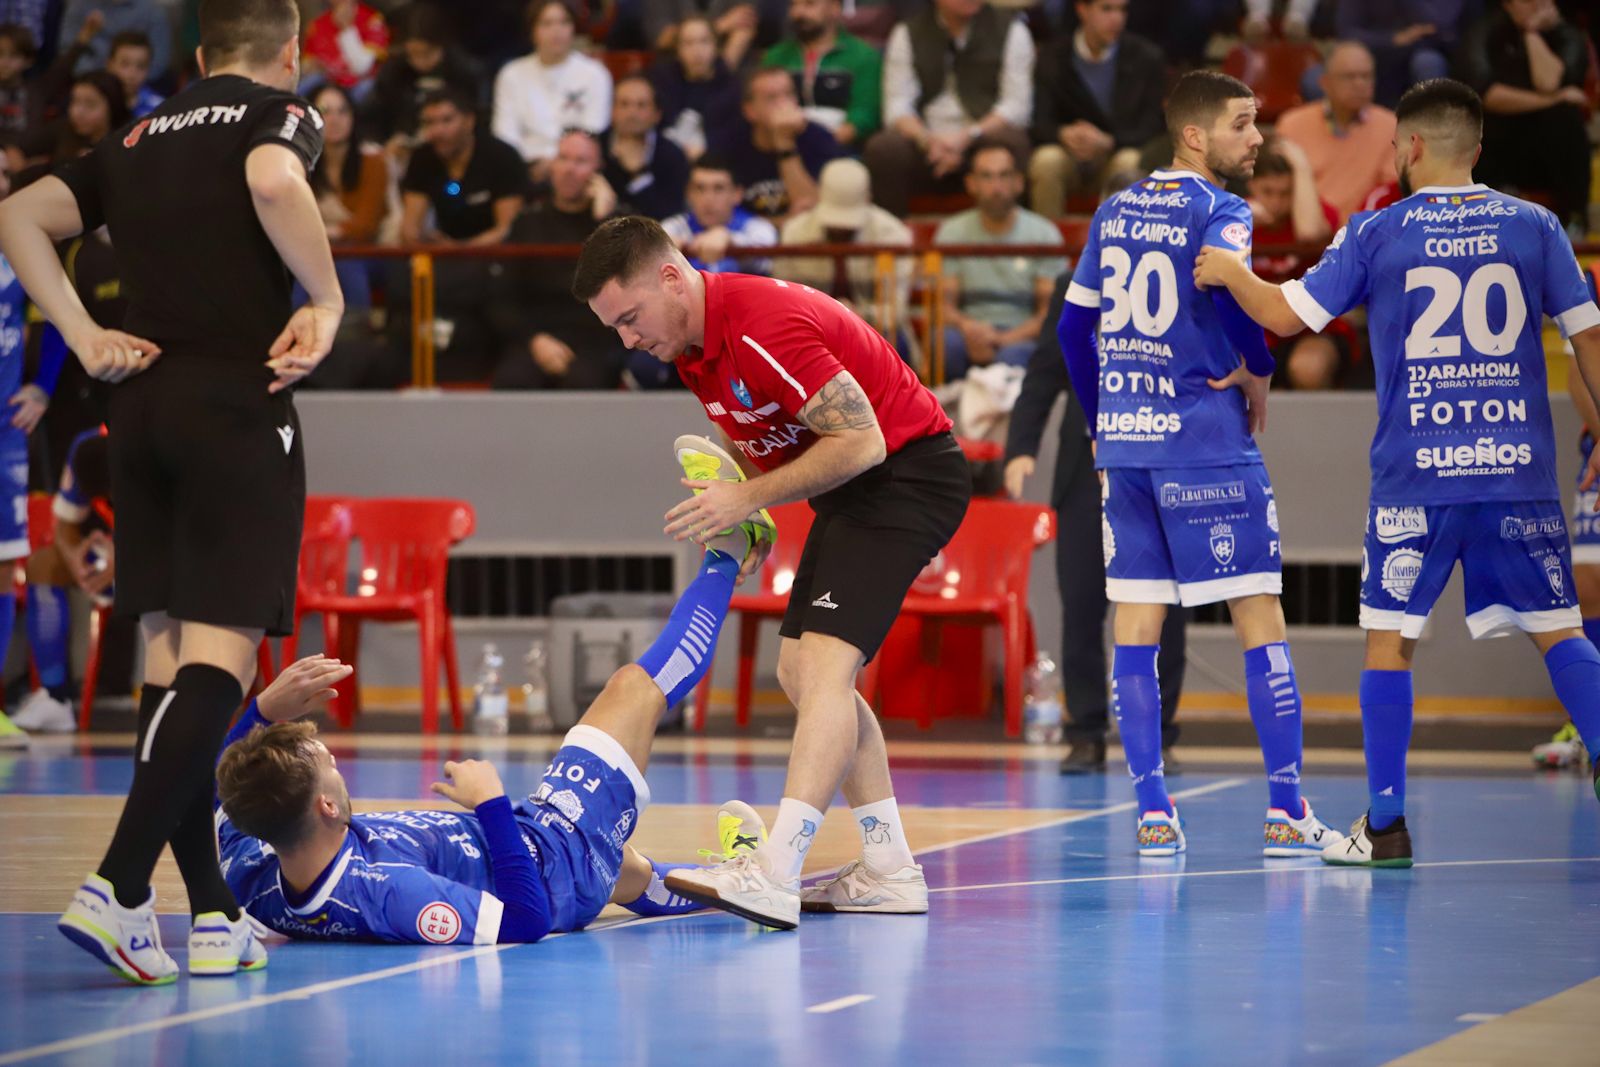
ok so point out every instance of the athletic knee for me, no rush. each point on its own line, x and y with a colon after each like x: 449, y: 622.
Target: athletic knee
x: 631, y: 683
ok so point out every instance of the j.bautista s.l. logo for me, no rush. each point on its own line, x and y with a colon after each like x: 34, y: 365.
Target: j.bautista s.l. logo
x: 438, y: 923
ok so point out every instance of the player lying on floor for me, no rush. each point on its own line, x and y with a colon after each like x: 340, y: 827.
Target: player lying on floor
x: 300, y: 862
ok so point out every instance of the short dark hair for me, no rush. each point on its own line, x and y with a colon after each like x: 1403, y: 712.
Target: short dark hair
x: 130, y: 39
x: 714, y: 161
x: 1447, y: 109
x: 268, y: 779
x: 641, y: 78
x: 535, y: 10
x: 1199, y: 98
x: 251, y: 31
x: 422, y: 22
x: 618, y: 250
x: 991, y: 144
x: 755, y: 74
x: 448, y: 94
x: 1270, y: 162
x: 21, y: 39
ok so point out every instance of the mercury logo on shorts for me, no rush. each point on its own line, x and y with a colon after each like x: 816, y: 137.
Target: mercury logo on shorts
x: 825, y: 601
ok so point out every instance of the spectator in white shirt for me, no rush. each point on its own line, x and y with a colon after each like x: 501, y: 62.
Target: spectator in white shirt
x: 956, y: 72
x: 551, y: 89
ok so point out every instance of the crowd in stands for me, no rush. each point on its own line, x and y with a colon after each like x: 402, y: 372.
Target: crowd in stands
x: 745, y: 125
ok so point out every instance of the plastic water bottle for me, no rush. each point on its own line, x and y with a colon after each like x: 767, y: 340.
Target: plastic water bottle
x: 1041, y: 703
x: 536, y: 687
x: 489, y: 695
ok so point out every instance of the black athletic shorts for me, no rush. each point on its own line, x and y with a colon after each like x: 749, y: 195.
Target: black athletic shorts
x: 208, y: 476
x: 872, y: 536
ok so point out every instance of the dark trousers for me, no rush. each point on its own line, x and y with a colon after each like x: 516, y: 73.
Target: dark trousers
x: 1540, y: 150
x: 1081, y: 575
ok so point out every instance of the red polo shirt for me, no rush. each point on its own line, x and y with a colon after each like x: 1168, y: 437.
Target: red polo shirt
x: 770, y: 345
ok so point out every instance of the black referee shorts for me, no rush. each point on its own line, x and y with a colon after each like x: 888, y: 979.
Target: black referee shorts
x: 872, y: 536
x: 208, y: 481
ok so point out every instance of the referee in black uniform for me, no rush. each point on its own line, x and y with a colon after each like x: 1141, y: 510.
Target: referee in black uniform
x: 1080, y: 569
x: 207, y: 202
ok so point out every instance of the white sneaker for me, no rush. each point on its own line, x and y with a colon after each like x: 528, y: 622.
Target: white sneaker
x: 742, y: 886
x: 125, y: 939
x: 220, y: 947
x: 1390, y: 847
x: 1563, y: 750
x: 858, y: 887
x: 45, y: 714
x: 1306, y: 836
x: 1161, y: 834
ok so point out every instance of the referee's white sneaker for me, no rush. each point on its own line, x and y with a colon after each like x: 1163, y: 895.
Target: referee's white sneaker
x: 125, y: 939
x: 744, y: 887
x: 220, y: 947
x: 1287, y: 837
x: 43, y: 713
x: 858, y: 887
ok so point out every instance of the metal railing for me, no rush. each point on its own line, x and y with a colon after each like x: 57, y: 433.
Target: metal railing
x: 926, y: 287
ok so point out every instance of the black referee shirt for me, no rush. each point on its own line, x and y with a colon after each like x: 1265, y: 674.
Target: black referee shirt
x: 201, y: 277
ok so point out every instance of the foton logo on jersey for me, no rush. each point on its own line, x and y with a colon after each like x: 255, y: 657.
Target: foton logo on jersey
x: 200, y: 116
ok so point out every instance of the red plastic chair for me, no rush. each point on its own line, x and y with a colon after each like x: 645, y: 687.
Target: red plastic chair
x: 794, y: 523
x: 405, y: 545
x: 1273, y: 71
x: 982, y: 576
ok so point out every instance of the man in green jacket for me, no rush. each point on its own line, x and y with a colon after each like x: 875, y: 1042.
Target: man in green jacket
x: 838, y: 76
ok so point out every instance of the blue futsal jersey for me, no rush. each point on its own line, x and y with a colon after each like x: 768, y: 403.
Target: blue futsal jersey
x: 1160, y: 337
x: 408, y: 876
x: 1456, y: 283
x: 12, y: 306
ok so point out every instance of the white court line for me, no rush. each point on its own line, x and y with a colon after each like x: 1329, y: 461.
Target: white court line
x: 100, y: 1037
x: 1155, y: 876
x: 1477, y: 1016
x: 829, y: 1006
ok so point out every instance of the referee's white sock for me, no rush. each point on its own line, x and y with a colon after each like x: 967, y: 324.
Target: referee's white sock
x: 790, y: 839
x: 883, y: 838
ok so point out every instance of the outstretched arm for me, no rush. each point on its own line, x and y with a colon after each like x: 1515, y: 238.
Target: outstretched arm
x: 1261, y: 300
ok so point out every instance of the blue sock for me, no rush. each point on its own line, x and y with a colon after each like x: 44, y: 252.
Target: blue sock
x: 657, y: 899
x: 1386, y: 736
x: 678, y: 659
x: 48, y: 623
x: 1136, y: 701
x: 1274, y: 699
x: 1574, y: 668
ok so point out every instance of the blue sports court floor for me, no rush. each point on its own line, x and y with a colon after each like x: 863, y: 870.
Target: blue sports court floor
x: 1048, y: 941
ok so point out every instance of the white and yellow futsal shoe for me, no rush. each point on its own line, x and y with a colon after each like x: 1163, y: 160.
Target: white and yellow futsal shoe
x: 218, y: 947
x: 125, y: 939
x: 703, y: 460
x: 858, y: 887
x: 12, y: 736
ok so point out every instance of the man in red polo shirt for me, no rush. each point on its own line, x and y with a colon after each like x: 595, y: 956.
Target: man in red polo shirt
x: 818, y: 407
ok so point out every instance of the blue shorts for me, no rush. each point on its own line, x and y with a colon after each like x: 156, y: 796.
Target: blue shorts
x: 1515, y: 566
x: 13, y: 500
x: 1189, y: 535
x: 577, y: 821
x: 1585, y: 523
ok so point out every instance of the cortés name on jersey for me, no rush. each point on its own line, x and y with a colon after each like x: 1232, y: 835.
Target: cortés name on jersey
x: 1487, y: 456
x: 200, y: 116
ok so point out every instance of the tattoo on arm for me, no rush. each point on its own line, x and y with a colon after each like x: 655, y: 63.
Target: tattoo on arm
x: 839, y: 405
